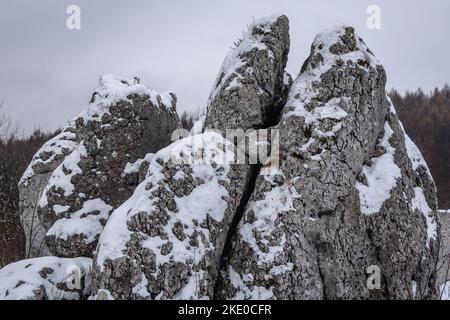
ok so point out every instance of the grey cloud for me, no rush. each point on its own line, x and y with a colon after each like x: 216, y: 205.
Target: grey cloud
x: 47, y: 73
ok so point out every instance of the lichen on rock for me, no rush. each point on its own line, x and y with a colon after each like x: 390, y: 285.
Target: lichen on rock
x: 348, y: 193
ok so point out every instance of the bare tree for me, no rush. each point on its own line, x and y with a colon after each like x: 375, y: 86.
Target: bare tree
x: 8, y: 129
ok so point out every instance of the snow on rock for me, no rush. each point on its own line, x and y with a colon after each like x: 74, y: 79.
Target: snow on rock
x: 340, y: 201
x: 46, y: 278
x: 183, y: 221
x: 197, y: 128
x: 444, y: 291
x: 81, y: 223
x: 165, y: 242
x: 113, y: 89
x: 443, y: 276
x: 420, y: 203
x: 124, y: 122
x: 55, y: 148
x: 251, y: 85
x: 32, y: 184
x: 381, y: 175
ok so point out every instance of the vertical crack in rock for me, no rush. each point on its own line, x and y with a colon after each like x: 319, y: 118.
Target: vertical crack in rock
x: 167, y: 240
x: 347, y: 168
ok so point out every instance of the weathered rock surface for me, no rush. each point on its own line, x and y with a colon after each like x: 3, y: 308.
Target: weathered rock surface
x: 352, y: 191
x: 124, y: 121
x: 185, y: 221
x: 33, y: 183
x: 167, y: 240
x: 443, y: 268
x: 46, y: 278
x: 250, y: 90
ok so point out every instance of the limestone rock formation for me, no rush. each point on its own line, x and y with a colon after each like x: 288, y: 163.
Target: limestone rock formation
x: 167, y: 241
x: 250, y: 89
x: 33, y: 183
x: 352, y: 192
x: 191, y: 220
x: 443, y: 267
x: 46, y: 278
x: 91, y: 162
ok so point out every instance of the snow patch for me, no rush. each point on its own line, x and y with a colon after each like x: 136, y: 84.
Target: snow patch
x: 113, y: 89
x: 206, y: 201
x: 381, y: 176
x: 83, y: 221
x: 235, y: 60
x: 63, y: 143
x: 62, y: 176
x: 243, y: 291
x: 419, y: 202
x: 276, y: 201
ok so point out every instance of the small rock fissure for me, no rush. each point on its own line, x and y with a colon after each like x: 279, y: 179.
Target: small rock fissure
x: 249, y: 188
x: 272, y: 118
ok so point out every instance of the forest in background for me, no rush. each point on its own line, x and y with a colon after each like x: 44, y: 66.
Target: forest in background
x: 425, y: 116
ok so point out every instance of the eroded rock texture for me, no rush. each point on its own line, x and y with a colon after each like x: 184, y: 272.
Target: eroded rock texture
x: 250, y: 90
x: 33, y: 183
x: 81, y: 175
x: 185, y: 221
x: 352, y: 191
x: 167, y: 240
x: 46, y: 278
x: 444, y: 257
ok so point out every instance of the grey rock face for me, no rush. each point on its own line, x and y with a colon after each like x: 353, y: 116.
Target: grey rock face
x: 444, y: 256
x: 248, y: 92
x: 33, y: 183
x: 173, y: 229
x: 124, y: 122
x: 352, y: 191
x: 165, y: 242
x: 46, y: 278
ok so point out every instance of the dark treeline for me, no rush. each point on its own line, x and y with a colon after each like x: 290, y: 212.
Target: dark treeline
x: 426, y: 118
x: 15, y: 154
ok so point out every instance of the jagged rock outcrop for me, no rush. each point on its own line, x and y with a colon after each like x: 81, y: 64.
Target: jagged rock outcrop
x: 251, y: 87
x: 352, y: 191
x: 33, y: 183
x: 195, y: 219
x: 46, y: 278
x: 91, y: 162
x: 167, y: 240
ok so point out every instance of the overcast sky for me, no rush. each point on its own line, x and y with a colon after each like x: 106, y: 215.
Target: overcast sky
x: 48, y: 72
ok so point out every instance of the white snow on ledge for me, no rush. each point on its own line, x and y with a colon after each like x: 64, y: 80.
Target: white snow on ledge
x: 420, y: 203
x: 83, y: 221
x: 62, y: 180
x: 381, y: 176
x: 444, y: 291
x: 18, y: 280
